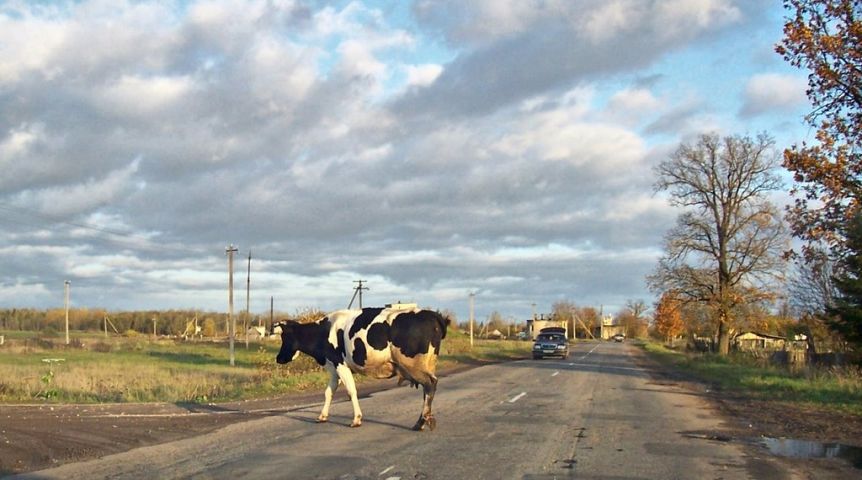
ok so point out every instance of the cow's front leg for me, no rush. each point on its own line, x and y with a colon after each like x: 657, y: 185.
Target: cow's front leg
x: 347, y: 379
x: 331, y: 387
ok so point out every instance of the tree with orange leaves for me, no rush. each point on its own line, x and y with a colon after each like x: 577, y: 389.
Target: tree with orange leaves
x: 668, y: 318
x: 823, y: 36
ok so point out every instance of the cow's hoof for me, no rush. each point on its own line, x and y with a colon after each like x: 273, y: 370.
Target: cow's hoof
x: 322, y: 419
x: 355, y: 424
x: 431, y: 422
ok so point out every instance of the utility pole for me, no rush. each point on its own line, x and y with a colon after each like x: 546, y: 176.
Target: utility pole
x: 472, y: 295
x: 271, y: 311
x: 66, y: 292
x: 357, y: 290
x: 231, y: 321
x: 247, y: 322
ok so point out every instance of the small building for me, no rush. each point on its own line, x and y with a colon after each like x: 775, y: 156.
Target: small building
x: 610, y: 328
x: 535, y: 325
x: 257, y: 333
x: 758, y: 342
x: 496, y: 335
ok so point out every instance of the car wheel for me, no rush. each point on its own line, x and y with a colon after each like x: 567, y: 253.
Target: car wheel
x: 537, y: 357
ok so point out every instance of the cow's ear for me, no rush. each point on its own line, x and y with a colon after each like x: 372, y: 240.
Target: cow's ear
x: 284, y: 325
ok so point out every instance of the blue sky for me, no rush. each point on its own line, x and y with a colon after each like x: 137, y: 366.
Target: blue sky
x: 432, y: 148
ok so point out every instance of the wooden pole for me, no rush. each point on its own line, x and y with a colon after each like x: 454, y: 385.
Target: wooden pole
x: 68, y: 287
x: 231, y: 321
x: 472, y: 295
x: 247, y: 322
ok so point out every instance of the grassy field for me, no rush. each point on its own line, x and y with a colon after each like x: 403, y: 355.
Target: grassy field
x: 839, y: 389
x: 120, y: 369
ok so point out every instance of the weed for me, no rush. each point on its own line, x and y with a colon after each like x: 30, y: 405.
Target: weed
x: 48, y: 391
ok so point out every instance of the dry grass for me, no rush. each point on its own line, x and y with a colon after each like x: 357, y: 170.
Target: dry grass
x: 96, y: 370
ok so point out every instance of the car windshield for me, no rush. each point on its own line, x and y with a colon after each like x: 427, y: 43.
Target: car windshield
x: 555, y: 338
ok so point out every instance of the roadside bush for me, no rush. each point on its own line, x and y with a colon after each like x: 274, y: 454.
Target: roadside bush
x: 101, y: 347
x: 39, y: 343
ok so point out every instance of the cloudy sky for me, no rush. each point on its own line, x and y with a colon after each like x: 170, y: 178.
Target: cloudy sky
x: 432, y: 148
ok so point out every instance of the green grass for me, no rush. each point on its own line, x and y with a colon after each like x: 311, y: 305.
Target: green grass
x: 838, y: 389
x: 138, y: 369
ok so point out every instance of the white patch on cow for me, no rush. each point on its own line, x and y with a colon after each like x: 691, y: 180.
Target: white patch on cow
x: 295, y: 355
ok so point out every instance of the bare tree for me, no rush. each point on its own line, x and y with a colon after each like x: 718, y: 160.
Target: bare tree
x: 725, y: 249
x: 810, y: 289
x: 637, y: 307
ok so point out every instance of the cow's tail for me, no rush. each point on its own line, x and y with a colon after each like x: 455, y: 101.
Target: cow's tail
x: 444, y: 323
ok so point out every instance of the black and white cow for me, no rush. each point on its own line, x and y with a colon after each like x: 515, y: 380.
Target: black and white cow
x: 380, y: 342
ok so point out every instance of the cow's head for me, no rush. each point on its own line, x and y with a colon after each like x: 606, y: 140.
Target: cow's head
x: 289, y: 344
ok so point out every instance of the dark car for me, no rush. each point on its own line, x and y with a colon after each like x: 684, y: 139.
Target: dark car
x: 550, y: 344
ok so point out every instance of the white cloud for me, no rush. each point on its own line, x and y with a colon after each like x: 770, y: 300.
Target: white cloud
x: 422, y: 75
x: 136, y: 96
x: 18, y: 142
x: 78, y: 198
x: 772, y: 92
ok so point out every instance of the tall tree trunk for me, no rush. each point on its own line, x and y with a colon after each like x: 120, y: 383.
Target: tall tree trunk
x: 723, y: 336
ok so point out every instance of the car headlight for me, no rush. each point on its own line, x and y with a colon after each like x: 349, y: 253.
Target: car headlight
x: 561, y: 347
x: 537, y: 347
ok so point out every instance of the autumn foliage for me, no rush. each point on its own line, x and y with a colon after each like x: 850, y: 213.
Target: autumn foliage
x: 823, y: 37
x: 668, y: 317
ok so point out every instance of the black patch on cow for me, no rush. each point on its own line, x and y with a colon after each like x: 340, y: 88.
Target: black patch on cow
x: 311, y: 339
x: 339, y: 339
x: 335, y: 354
x: 413, y: 332
x: 363, y: 320
x: 359, y: 354
x: 378, y: 335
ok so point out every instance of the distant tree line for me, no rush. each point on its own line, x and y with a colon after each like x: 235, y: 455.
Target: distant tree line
x: 167, y: 322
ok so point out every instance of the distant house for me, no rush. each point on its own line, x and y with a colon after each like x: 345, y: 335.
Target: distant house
x: 496, y: 335
x: 610, y: 328
x: 758, y: 342
x: 257, y: 333
x: 535, y: 325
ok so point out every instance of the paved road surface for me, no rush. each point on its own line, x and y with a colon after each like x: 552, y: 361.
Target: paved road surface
x: 597, y: 414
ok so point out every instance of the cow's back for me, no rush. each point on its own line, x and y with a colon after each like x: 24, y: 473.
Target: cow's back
x: 416, y: 337
x: 365, y: 337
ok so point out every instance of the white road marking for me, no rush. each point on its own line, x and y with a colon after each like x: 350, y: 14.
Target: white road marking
x: 608, y: 367
x: 588, y: 353
x: 555, y: 373
x: 517, y: 397
x: 384, y: 471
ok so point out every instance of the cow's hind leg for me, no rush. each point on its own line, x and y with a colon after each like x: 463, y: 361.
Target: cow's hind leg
x: 331, y: 387
x: 429, y: 388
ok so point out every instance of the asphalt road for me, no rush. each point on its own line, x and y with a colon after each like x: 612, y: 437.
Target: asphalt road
x: 598, y: 414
